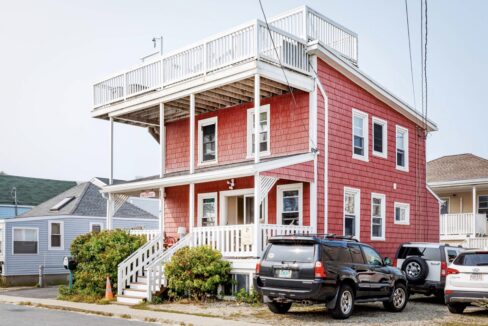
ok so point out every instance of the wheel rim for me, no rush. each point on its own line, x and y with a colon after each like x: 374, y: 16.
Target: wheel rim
x: 399, y: 297
x: 413, y: 269
x: 346, y: 302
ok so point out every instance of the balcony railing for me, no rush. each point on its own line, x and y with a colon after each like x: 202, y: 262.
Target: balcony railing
x: 459, y: 226
x: 245, y: 43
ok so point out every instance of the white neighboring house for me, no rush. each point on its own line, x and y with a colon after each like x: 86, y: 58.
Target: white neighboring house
x: 461, y: 182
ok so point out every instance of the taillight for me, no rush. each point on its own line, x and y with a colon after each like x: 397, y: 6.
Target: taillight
x: 320, y: 270
x: 258, y: 268
x: 394, y: 262
x: 451, y: 271
x: 444, y: 268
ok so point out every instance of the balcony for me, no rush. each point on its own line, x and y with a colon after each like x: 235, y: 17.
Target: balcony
x: 463, y: 225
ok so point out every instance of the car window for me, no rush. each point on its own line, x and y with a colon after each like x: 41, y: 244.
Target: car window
x: 291, y: 253
x: 336, y: 254
x: 372, y: 257
x: 451, y: 254
x: 357, y: 256
x: 472, y: 259
x: 425, y: 253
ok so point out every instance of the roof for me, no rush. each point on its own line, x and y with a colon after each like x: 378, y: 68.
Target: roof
x: 457, y: 167
x: 88, y: 201
x: 31, y: 191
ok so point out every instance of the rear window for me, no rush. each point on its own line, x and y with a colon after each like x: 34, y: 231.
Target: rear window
x: 472, y: 259
x: 291, y: 253
x: 336, y: 254
x: 425, y: 253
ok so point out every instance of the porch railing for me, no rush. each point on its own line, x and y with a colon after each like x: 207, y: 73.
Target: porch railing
x: 149, y: 234
x: 230, y: 240
x: 476, y: 243
x: 461, y: 225
x: 271, y: 230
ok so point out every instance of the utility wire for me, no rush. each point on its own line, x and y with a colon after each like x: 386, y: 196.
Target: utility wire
x: 410, y: 52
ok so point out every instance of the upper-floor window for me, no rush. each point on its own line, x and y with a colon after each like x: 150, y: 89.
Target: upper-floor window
x: 290, y: 204
x: 359, y: 135
x: 351, y: 212
x: 401, y: 148
x: 380, y: 134
x: 207, y: 141
x: 402, y: 213
x: 264, y: 123
x: 56, y: 235
x: 25, y: 240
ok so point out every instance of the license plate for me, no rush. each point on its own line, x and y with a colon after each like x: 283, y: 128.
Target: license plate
x: 476, y: 277
x: 284, y: 273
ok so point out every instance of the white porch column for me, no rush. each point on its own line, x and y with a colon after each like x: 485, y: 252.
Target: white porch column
x: 111, y: 177
x: 192, y: 206
x: 161, y: 210
x: 313, y: 197
x: 192, y: 133
x: 110, y: 212
x: 257, y: 204
x: 257, y: 105
x: 162, y: 141
x: 474, y: 212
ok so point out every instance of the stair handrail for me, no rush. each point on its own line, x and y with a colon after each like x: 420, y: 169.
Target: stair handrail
x: 135, y: 263
x: 155, y: 269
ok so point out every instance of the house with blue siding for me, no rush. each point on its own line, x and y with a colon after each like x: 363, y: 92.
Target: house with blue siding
x: 43, y: 235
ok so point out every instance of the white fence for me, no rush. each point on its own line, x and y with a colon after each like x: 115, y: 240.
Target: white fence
x: 149, y: 234
x: 476, y: 243
x: 458, y: 226
x: 271, y: 230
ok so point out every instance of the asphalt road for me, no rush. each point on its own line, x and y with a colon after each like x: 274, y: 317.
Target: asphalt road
x: 14, y: 315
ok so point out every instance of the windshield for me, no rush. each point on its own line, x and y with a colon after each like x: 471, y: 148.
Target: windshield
x: 291, y: 253
x: 473, y: 259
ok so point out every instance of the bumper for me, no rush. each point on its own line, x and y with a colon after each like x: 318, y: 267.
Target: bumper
x: 464, y: 296
x: 429, y: 287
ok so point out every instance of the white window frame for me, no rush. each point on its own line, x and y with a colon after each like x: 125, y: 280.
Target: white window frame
x: 357, y: 194
x: 279, y: 201
x: 383, y: 216
x: 49, y: 233
x: 384, y: 123
x: 250, y: 126
x: 364, y: 116
x: 407, y: 213
x: 201, y: 197
x: 13, y: 240
x: 203, y: 123
x: 96, y: 223
x: 478, y: 203
x: 405, y: 132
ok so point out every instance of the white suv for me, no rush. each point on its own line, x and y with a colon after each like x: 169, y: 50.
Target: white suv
x: 467, y: 280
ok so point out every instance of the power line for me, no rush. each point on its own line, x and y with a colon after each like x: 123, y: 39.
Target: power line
x: 410, y: 52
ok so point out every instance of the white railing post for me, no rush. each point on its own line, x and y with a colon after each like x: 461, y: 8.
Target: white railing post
x: 474, y: 212
x: 256, y: 38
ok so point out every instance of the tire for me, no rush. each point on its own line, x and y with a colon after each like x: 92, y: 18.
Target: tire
x: 279, y: 307
x: 345, y: 303
x: 398, y: 300
x: 456, y: 308
x: 416, y: 269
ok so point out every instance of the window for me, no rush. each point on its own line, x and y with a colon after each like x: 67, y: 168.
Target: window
x: 483, y: 205
x: 304, y: 253
x: 445, y: 206
x: 264, y: 139
x: 401, y: 148
x: 472, y: 259
x: 207, y: 141
x: 207, y: 209
x: 290, y: 203
x: 96, y: 227
x: 402, y: 213
x: 336, y: 254
x: 351, y: 212
x: 380, y: 137
x: 357, y: 256
x: 25, y: 240
x: 56, y: 235
x: 62, y: 203
x: 372, y: 257
x: 359, y: 135
x: 378, y: 216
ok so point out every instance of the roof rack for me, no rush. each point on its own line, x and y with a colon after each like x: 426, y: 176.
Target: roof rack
x: 322, y: 235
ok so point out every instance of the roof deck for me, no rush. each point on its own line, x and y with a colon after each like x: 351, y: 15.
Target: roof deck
x: 220, y: 69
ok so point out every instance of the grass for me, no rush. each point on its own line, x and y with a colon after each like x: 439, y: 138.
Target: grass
x: 145, y: 306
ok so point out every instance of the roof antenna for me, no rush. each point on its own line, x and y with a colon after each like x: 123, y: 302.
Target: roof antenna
x: 155, y: 42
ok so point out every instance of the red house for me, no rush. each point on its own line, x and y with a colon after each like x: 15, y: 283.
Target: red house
x: 337, y: 153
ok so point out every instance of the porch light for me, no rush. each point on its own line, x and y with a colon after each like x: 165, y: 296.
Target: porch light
x: 231, y: 183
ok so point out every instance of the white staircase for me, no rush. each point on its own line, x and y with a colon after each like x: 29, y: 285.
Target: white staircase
x: 136, y: 292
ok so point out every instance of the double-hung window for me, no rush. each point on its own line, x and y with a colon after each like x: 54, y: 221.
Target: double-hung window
x: 25, y: 240
x: 402, y: 213
x: 264, y: 139
x: 401, y: 148
x: 359, y: 135
x: 351, y: 212
x: 483, y: 205
x: 207, y: 141
x: 56, y: 235
x: 207, y: 209
x: 378, y: 216
x: 380, y: 140
x: 290, y: 204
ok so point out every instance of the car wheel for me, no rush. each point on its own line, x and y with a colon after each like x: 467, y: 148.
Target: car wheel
x: 416, y: 269
x: 398, y: 300
x: 279, y: 307
x: 345, y: 303
x: 456, y: 308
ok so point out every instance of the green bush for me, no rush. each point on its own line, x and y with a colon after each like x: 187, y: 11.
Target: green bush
x: 98, y: 255
x: 252, y: 297
x: 196, y: 273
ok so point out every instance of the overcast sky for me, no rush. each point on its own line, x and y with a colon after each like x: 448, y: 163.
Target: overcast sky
x: 51, y: 52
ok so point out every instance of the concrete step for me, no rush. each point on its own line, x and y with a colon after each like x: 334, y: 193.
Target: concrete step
x: 138, y: 286
x: 142, y: 294
x: 128, y: 300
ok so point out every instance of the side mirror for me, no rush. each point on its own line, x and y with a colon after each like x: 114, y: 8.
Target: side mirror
x: 387, y: 261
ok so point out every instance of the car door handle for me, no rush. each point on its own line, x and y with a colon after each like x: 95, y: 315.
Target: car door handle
x: 435, y: 263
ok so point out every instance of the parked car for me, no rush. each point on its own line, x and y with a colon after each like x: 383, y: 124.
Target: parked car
x: 336, y: 271
x: 467, y: 280
x: 425, y: 266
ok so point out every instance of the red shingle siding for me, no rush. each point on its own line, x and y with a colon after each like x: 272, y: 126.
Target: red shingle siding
x: 299, y: 172
x: 176, y: 209
x: 378, y: 175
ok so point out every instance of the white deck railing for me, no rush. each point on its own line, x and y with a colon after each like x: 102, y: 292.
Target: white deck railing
x: 460, y: 225
x: 149, y: 234
x: 230, y: 240
x: 271, y: 230
x: 216, y: 53
x: 476, y: 243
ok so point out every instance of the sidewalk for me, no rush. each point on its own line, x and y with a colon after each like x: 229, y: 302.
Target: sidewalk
x: 119, y: 311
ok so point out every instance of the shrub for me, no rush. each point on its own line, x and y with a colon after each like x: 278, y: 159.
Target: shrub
x: 252, y: 297
x: 98, y: 255
x: 196, y: 273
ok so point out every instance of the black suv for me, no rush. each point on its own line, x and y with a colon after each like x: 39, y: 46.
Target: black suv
x: 326, y: 269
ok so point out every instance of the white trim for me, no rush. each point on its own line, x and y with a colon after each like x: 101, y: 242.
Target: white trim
x: 433, y: 193
x: 49, y: 233
x: 18, y: 206
x: 383, y: 216
x: 249, y: 134
x: 223, y: 202
x: 364, y: 117
x: 357, y: 211
x: 95, y: 223
x: 201, y: 197
x: 39, y: 218
x: 279, y: 201
x: 478, y: 203
x: 407, y: 213
x: 466, y: 182
x: 384, y: 123
x: 192, y: 133
x: 400, y: 129
x: 25, y: 228
x: 203, y: 123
